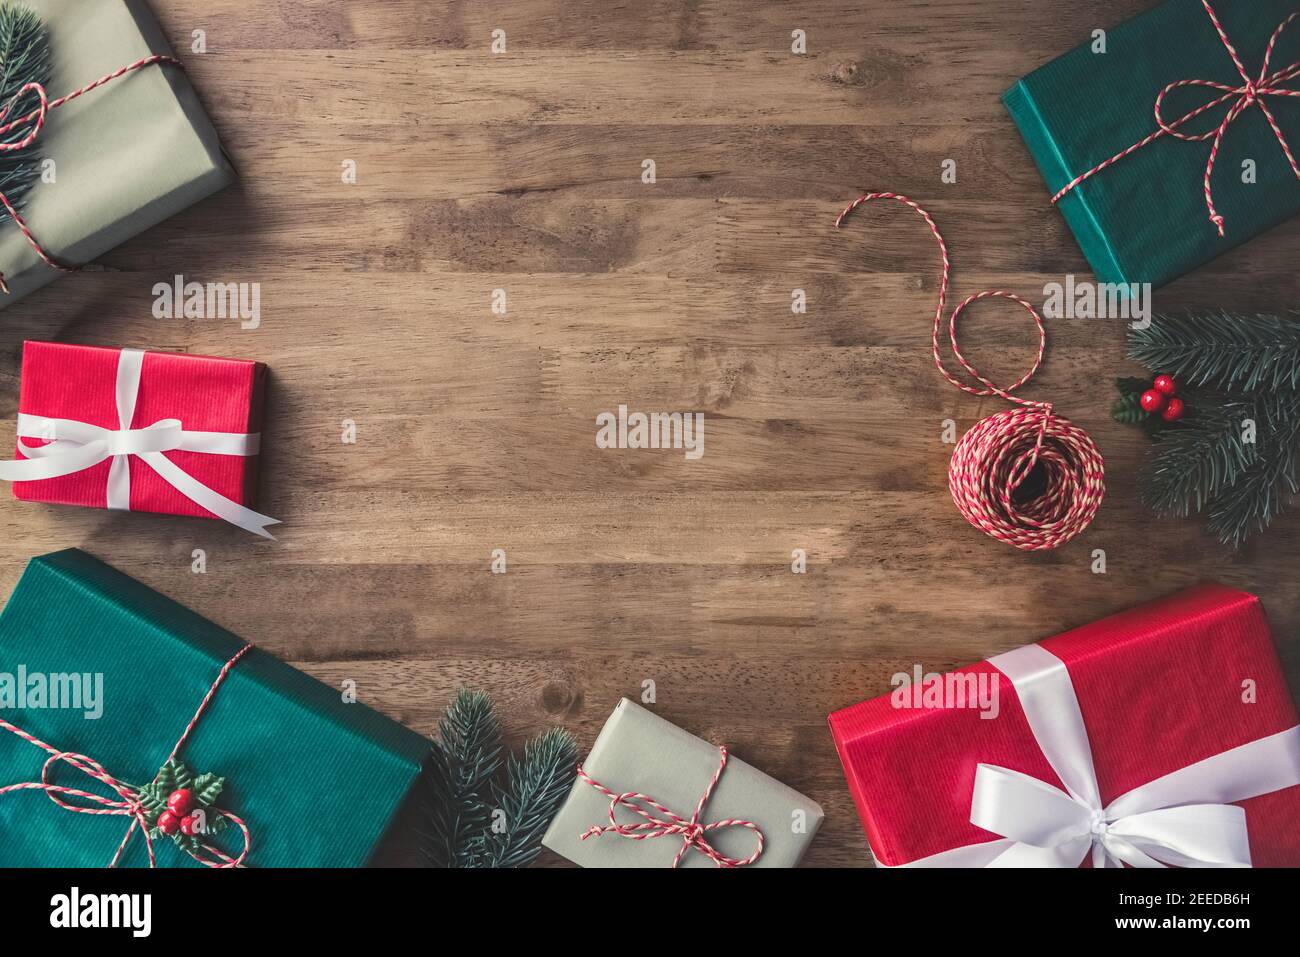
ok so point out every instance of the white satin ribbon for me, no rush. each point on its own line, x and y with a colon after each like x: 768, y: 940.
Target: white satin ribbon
x: 1184, y: 819
x: 76, y: 446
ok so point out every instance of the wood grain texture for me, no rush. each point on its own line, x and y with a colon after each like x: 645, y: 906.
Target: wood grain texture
x: 476, y: 431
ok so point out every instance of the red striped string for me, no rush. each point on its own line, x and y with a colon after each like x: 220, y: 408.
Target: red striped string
x: 994, y: 458
x: 37, y: 119
x: 128, y: 802
x: 692, y: 832
x: 1252, y: 92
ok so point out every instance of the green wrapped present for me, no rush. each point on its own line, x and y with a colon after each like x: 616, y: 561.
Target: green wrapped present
x: 116, y: 161
x: 95, y: 664
x: 1148, y: 217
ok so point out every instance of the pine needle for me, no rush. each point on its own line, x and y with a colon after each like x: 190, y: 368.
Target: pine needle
x: 471, y: 818
x: 1226, y: 351
x: 25, y: 57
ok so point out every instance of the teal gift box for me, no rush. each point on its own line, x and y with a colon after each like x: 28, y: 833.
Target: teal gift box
x: 1145, y: 219
x: 317, y: 781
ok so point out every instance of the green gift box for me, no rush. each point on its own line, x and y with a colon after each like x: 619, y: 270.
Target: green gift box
x: 125, y: 156
x: 1145, y: 218
x: 316, y: 780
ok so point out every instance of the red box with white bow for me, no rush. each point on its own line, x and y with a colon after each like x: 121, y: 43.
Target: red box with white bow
x: 1162, y: 736
x: 144, y: 431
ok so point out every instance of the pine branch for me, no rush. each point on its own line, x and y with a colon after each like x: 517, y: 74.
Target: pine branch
x: 1235, y: 457
x: 1202, y: 457
x: 25, y: 57
x: 1262, y: 492
x: 536, y: 785
x: 1234, y: 353
x: 458, y: 778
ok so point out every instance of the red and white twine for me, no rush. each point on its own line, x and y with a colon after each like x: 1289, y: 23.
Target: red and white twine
x: 127, y: 803
x: 36, y: 118
x: 1252, y: 92
x: 994, y: 458
x: 694, y: 835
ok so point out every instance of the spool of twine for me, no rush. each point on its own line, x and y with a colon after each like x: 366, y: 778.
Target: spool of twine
x: 1025, y: 476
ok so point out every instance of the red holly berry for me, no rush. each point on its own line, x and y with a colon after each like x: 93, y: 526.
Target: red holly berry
x: 168, y: 822
x: 1153, y: 401
x: 190, y: 824
x: 1166, y: 384
x: 180, y: 801
x: 1174, y: 410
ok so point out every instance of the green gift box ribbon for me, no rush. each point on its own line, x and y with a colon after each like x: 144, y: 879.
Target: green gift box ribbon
x: 1146, y: 218
x: 121, y: 670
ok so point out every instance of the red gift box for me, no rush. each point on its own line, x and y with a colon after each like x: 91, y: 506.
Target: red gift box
x: 1159, y: 688
x: 199, y: 394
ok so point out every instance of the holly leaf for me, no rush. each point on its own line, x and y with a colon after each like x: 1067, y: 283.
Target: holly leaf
x: 216, y: 823
x: 182, y: 776
x: 152, y: 802
x: 207, y: 788
x: 165, y: 780
x: 1129, y: 385
x: 1128, y: 410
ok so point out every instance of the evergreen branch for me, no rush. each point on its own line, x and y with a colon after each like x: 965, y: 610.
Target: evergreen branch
x: 441, y: 832
x: 25, y: 57
x: 1201, y: 457
x: 1235, y: 353
x: 1235, y: 457
x: 1263, y: 490
x: 458, y: 778
x: 535, y: 787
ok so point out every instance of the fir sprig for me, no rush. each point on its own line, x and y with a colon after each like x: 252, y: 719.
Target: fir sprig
x: 1226, y: 351
x: 535, y: 787
x: 471, y: 819
x: 25, y: 57
x: 1233, y: 457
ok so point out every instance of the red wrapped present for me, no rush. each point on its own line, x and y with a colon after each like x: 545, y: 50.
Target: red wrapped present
x: 1165, y: 735
x: 144, y: 431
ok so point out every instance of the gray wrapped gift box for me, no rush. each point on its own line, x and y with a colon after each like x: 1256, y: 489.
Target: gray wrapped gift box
x: 640, y: 751
x: 127, y: 155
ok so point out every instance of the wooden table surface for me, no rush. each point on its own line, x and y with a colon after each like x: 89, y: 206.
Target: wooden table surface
x: 522, y: 171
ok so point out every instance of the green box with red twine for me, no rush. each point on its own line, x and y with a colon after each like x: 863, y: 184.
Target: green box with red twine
x: 1136, y: 194
x: 277, y: 762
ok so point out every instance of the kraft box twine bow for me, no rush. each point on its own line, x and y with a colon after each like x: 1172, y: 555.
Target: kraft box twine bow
x: 130, y: 799
x: 693, y: 834
x: 36, y: 120
x: 1253, y: 91
x: 995, y: 457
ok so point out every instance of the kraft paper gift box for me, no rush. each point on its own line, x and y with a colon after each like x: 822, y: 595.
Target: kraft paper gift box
x: 316, y: 780
x: 204, y: 394
x: 638, y: 751
x: 1145, y: 218
x: 127, y: 155
x: 1179, y: 708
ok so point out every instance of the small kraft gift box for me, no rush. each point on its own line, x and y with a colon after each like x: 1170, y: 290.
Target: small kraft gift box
x: 117, y: 159
x: 653, y: 795
x: 1171, y: 138
x: 1162, y: 736
x: 133, y: 732
x: 140, y: 431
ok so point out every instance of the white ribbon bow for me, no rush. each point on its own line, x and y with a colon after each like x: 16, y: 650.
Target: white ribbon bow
x: 1184, y: 819
x: 76, y: 446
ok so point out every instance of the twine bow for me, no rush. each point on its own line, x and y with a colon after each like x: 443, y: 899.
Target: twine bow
x: 694, y: 835
x: 1251, y: 92
x: 36, y: 120
x: 127, y: 803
